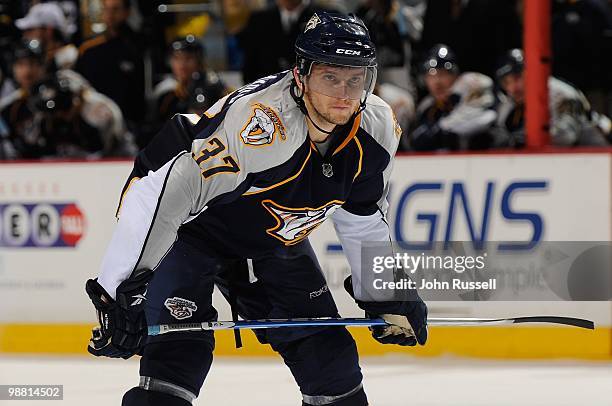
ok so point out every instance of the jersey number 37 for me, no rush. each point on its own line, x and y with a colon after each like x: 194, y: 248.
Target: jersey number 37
x: 216, y: 147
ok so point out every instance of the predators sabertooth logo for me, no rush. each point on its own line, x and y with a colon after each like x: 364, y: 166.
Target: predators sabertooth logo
x: 294, y: 224
x: 262, y: 126
x: 180, y: 308
x: 312, y: 23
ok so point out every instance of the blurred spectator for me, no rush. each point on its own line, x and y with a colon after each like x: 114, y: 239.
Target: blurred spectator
x: 7, y: 85
x: 394, y: 27
x: 153, y: 30
x: 17, y: 134
x: 380, y: 18
x: 458, y: 112
x: 8, y: 36
x: 191, y: 88
x: 402, y: 104
x: 46, y: 23
x: 269, y: 37
x: 236, y: 13
x: 72, y: 11
x: 235, y: 17
x: 75, y: 121
x: 113, y: 62
x: 480, y: 31
x: 571, y: 122
x: 582, y: 48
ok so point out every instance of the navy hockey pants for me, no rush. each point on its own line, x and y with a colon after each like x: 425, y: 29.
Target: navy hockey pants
x: 323, y: 361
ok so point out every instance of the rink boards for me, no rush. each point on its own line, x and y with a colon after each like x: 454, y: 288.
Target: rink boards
x: 56, y: 219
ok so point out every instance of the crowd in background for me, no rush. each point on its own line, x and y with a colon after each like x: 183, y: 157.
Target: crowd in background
x: 98, y: 78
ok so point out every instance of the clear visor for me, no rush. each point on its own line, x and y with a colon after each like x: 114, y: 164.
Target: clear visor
x: 342, y: 82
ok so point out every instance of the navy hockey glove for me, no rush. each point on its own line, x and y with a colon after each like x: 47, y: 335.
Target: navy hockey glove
x: 407, y: 319
x: 123, y: 326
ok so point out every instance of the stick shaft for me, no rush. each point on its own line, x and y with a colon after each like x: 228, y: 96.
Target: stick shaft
x: 322, y: 322
x: 261, y: 324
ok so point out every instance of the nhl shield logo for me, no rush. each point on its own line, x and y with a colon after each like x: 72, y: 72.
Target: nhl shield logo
x: 180, y: 308
x: 328, y: 170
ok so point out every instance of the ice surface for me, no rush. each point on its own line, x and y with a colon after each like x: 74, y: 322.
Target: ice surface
x: 395, y: 381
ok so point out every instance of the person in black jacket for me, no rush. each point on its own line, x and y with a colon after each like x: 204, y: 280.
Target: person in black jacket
x: 192, y: 88
x: 582, y: 48
x: 268, y: 38
x: 113, y: 63
x: 479, y: 31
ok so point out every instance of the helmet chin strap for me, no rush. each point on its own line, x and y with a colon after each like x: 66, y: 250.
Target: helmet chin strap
x: 302, y: 106
x: 319, y: 128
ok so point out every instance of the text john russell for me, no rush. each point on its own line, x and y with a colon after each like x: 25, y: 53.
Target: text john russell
x: 453, y: 284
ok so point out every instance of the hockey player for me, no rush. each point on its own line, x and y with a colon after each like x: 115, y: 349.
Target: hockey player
x: 231, y: 200
x: 572, y: 122
x: 458, y: 111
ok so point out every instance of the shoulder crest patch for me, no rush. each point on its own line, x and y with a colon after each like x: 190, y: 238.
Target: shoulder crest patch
x: 262, y: 126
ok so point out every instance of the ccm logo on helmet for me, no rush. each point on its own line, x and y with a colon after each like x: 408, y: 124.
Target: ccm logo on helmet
x: 347, y: 51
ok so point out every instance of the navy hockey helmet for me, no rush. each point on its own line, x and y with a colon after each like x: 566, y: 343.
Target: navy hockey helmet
x: 337, y: 40
x: 512, y: 62
x: 440, y: 57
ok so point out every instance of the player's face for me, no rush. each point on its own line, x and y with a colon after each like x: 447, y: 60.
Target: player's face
x: 439, y: 83
x: 514, y: 85
x: 334, y: 92
x: 331, y: 109
x: 27, y: 72
x: 184, y: 65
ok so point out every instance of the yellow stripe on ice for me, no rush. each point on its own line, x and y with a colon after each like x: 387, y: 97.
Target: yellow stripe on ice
x: 503, y: 342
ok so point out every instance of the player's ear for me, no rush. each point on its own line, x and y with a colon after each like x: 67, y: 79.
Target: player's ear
x: 298, y: 79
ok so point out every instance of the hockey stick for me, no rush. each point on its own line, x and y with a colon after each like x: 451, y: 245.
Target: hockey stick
x: 318, y: 322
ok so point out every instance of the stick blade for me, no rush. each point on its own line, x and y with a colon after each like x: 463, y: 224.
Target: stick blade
x: 568, y: 321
